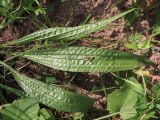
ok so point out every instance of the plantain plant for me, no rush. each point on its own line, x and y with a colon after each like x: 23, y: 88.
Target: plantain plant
x: 73, y: 59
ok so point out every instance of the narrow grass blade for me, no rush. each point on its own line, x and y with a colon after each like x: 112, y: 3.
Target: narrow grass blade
x: 13, y: 90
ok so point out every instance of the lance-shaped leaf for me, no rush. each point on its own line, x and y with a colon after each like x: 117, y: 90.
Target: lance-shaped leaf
x: 67, y: 33
x: 24, y: 109
x: 82, y: 59
x: 51, y: 95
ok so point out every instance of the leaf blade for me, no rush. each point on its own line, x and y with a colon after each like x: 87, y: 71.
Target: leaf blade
x: 52, y: 96
x: 67, y: 33
x: 124, y: 100
x: 24, y: 109
x: 83, y: 59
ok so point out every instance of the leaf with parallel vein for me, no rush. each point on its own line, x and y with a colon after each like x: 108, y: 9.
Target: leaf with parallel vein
x: 52, y: 95
x: 82, y: 59
x: 67, y: 33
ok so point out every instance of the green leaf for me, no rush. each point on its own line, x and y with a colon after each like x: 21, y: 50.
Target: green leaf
x: 123, y: 100
x: 146, y: 112
x: 52, y: 96
x: 146, y: 45
x: 82, y: 59
x: 40, y: 11
x: 13, y: 90
x: 133, y: 40
x: 79, y: 116
x: 11, y: 16
x: 131, y: 46
x: 145, y: 116
x: 45, y: 115
x: 49, y: 79
x: 24, y: 109
x: 5, y: 6
x: 67, y: 33
x: 156, y: 91
x: 156, y: 22
x: 131, y: 18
